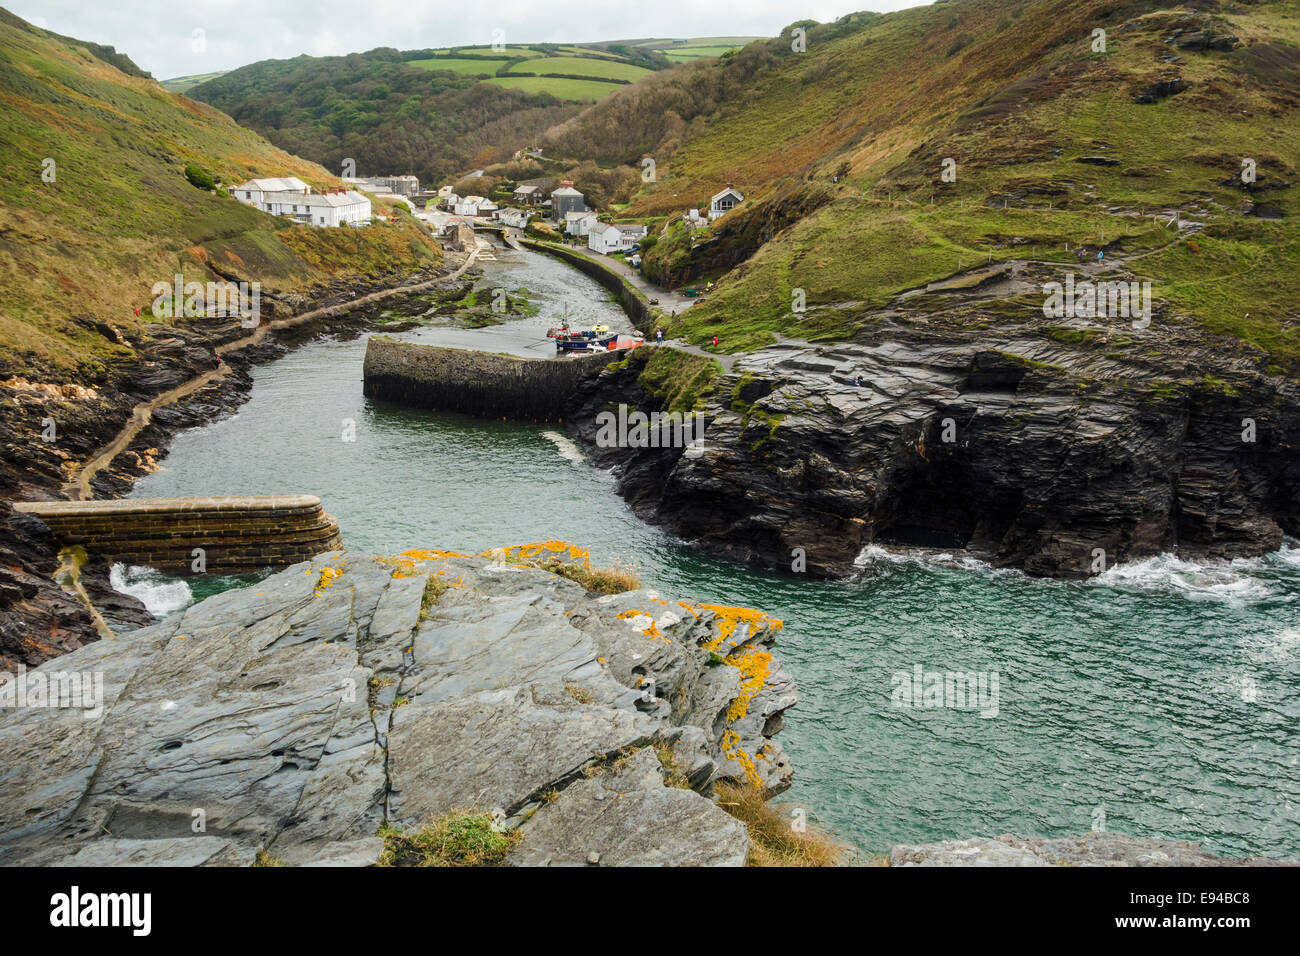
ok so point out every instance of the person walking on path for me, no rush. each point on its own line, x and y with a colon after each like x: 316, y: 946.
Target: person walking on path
x: 715, y: 341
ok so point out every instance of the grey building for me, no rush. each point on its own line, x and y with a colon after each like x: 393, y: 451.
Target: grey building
x: 565, y: 200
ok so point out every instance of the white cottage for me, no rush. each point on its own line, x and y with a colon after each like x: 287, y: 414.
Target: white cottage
x: 514, y: 218
x: 725, y: 201
x: 604, y: 237
x: 260, y: 192
x: 579, y: 223
x: 338, y: 208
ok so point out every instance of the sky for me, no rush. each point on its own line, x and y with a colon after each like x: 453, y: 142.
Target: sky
x: 172, y: 38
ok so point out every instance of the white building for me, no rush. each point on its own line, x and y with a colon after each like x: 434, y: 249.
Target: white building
x: 579, y: 223
x: 487, y: 209
x: 604, y: 237
x: 724, y: 202
x: 259, y: 192
x: 514, y: 218
x: 290, y: 196
x: 468, y: 205
x: 341, y: 208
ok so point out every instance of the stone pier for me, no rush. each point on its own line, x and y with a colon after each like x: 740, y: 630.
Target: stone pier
x: 486, y: 384
x: 236, y: 533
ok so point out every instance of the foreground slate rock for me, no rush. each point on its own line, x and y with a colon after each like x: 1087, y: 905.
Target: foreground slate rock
x: 1094, y: 849
x: 299, y: 715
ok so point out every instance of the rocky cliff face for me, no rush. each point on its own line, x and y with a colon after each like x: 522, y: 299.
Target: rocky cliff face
x: 49, y: 426
x: 301, y: 714
x: 1057, y: 447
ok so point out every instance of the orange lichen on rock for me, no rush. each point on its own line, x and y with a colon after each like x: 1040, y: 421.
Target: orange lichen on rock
x: 729, y: 618
x: 754, y: 666
x: 328, y: 576
x: 541, y: 550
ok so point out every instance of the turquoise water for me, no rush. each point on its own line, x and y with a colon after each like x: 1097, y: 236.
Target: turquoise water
x: 1159, y: 700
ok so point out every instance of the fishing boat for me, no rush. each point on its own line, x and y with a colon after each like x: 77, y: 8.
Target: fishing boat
x: 573, y: 343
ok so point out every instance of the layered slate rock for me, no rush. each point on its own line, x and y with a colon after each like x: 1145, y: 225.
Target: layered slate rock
x: 1093, y: 849
x: 964, y: 418
x: 301, y: 714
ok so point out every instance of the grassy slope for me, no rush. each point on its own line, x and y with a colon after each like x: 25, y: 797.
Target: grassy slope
x: 1015, y: 95
x: 121, y: 215
x: 183, y: 84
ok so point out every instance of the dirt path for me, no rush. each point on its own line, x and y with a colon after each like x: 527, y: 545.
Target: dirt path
x: 77, y: 487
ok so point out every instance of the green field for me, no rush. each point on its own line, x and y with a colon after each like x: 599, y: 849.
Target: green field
x: 700, y: 47
x: 580, y: 91
x: 513, y: 52
x: 583, y: 66
x: 182, y: 84
x: 462, y: 65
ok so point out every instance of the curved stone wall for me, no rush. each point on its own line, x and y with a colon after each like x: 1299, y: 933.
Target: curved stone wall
x: 236, y: 533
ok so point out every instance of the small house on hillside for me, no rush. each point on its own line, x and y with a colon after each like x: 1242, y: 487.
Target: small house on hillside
x: 528, y: 195
x: 606, y: 238
x: 341, y: 207
x: 565, y: 200
x: 725, y: 201
x: 290, y: 196
x: 579, y: 223
x: 259, y: 192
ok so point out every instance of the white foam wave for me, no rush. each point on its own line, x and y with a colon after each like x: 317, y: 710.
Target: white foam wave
x: 159, y: 594
x: 874, y: 554
x: 568, y: 450
x: 1229, y: 581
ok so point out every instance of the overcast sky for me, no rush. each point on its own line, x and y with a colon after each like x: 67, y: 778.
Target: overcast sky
x: 159, y: 35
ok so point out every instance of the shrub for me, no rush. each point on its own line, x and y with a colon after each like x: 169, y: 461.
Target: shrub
x: 199, y: 177
x: 457, y: 838
x: 772, y: 839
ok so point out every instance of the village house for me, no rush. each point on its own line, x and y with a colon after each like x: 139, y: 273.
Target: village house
x: 468, y: 205
x: 259, y: 192
x: 528, y: 195
x: 339, y: 208
x: 565, y: 200
x: 406, y: 186
x: 514, y: 218
x: 725, y: 201
x: 606, y: 238
x: 292, y: 197
x: 579, y: 223
x: 487, y: 209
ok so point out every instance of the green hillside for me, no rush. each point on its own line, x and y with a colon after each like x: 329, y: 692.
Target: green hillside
x: 436, y: 113
x: 183, y: 84
x: 1136, y: 150
x: 96, y: 206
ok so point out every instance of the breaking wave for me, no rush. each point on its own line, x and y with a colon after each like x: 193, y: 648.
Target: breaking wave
x: 159, y: 594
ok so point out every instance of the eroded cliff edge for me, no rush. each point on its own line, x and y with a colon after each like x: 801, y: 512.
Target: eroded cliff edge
x: 1057, y: 449
x: 299, y: 715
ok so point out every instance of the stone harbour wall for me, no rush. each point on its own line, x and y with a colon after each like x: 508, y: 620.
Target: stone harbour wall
x: 486, y: 384
x: 236, y: 533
